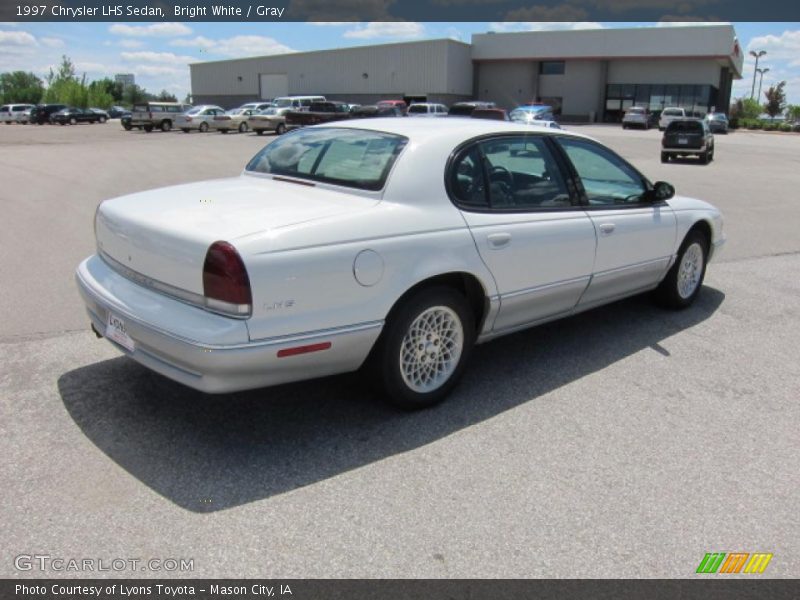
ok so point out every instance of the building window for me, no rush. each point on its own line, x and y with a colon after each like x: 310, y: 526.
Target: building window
x: 551, y: 67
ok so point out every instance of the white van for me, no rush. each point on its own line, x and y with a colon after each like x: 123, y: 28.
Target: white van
x: 668, y: 115
x: 296, y: 102
x: 15, y: 113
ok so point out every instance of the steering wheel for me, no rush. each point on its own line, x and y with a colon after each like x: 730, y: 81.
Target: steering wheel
x: 499, y: 173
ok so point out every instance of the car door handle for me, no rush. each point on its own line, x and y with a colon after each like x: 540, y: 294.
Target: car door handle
x: 498, y: 240
x: 607, y: 228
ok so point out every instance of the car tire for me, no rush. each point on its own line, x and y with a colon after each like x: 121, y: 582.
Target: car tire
x: 280, y: 129
x: 433, y: 330
x: 242, y: 127
x: 683, y: 281
x: 259, y: 131
x: 664, y: 157
x: 73, y: 121
x: 166, y: 126
x: 127, y: 127
x: 203, y: 127
x: 102, y: 119
x: 704, y: 158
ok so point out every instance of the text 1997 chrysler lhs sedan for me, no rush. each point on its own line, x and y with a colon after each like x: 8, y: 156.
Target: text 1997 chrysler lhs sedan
x: 396, y: 245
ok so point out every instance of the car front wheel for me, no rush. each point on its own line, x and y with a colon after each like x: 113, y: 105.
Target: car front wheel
x: 166, y: 126
x: 425, y: 346
x: 280, y: 129
x: 684, y: 280
x: 243, y: 128
x: 203, y: 127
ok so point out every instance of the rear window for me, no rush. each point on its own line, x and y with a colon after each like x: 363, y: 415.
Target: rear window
x: 685, y: 127
x: 349, y: 157
x: 671, y: 112
x: 636, y: 111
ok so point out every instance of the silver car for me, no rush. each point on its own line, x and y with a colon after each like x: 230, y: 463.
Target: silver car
x: 198, y: 117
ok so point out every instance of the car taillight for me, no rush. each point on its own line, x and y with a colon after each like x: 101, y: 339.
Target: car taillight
x: 226, y: 285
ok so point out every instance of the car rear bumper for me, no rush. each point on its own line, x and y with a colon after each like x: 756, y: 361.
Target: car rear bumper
x: 163, y: 331
x: 684, y: 149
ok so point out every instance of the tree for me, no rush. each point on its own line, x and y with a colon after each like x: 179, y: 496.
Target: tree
x: 165, y: 96
x: 776, y: 99
x: 745, y: 108
x: 22, y: 87
x: 793, y: 112
x: 133, y: 94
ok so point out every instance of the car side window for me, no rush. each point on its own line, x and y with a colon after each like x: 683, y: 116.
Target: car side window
x: 607, y: 179
x: 523, y: 174
x: 513, y: 173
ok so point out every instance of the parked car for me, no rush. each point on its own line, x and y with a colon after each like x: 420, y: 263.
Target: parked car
x: 100, y: 113
x: 116, y: 112
x: 532, y: 112
x: 399, y: 104
x: 257, y: 106
x: 373, y: 110
x: 73, y: 115
x: 41, y: 113
x: 15, y: 113
x: 498, y: 114
x: 318, y: 112
x: 465, y: 109
x: 296, y: 102
x: 637, y: 116
x: 269, y: 119
x: 670, y: 114
x: 386, y: 244
x: 427, y: 109
x: 233, y: 120
x: 198, y: 117
x: 717, y: 122
x: 687, y: 137
x: 157, y: 115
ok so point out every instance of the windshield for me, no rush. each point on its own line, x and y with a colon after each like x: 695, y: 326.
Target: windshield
x: 194, y: 111
x: 350, y: 157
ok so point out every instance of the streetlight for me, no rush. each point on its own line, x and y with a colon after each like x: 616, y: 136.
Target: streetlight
x: 761, y: 80
x: 757, y: 55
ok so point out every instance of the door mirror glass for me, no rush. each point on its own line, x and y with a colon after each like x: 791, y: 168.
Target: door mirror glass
x: 662, y: 191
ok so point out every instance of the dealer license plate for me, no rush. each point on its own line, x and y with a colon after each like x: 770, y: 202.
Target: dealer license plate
x: 683, y: 141
x: 115, y: 330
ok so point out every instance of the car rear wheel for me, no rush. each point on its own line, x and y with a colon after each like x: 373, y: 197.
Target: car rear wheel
x: 280, y: 129
x: 203, y: 127
x: 73, y: 121
x: 683, y: 281
x: 242, y: 127
x: 166, y: 126
x: 664, y: 157
x: 424, y: 347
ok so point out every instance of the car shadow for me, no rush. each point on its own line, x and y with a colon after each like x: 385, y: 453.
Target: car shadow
x: 208, y: 453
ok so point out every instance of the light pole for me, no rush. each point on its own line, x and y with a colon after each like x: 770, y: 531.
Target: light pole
x: 761, y: 80
x: 757, y: 55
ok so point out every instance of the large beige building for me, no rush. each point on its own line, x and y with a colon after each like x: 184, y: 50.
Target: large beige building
x: 585, y: 75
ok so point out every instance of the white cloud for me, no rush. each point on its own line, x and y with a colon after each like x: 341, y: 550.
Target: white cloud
x: 16, y: 39
x: 386, y: 29
x: 52, y: 42
x: 130, y: 43
x: 235, y: 47
x: 154, y: 30
x: 785, y: 46
x: 544, y: 26
x: 148, y: 56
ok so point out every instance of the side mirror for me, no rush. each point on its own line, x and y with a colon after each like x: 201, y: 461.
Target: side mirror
x: 662, y: 191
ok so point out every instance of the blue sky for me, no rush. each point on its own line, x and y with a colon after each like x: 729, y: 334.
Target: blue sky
x: 158, y: 53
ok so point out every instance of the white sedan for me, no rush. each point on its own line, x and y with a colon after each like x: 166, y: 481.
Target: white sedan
x: 395, y: 245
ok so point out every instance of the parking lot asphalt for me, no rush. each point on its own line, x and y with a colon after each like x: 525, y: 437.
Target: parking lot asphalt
x: 625, y: 442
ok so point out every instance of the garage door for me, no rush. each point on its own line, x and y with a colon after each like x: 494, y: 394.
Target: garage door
x: 272, y: 85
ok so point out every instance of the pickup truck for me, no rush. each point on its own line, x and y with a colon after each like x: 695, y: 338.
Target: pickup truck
x: 318, y: 112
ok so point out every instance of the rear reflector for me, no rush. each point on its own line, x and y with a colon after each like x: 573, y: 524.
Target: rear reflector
x: 303, y: 349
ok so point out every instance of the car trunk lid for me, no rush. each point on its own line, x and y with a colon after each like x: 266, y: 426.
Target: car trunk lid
x: 162, y: 236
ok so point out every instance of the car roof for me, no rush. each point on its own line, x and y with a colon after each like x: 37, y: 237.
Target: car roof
x: 421, y: 130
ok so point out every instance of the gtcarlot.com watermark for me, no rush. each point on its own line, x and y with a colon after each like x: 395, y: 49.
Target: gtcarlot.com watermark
x: 47, y: 563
